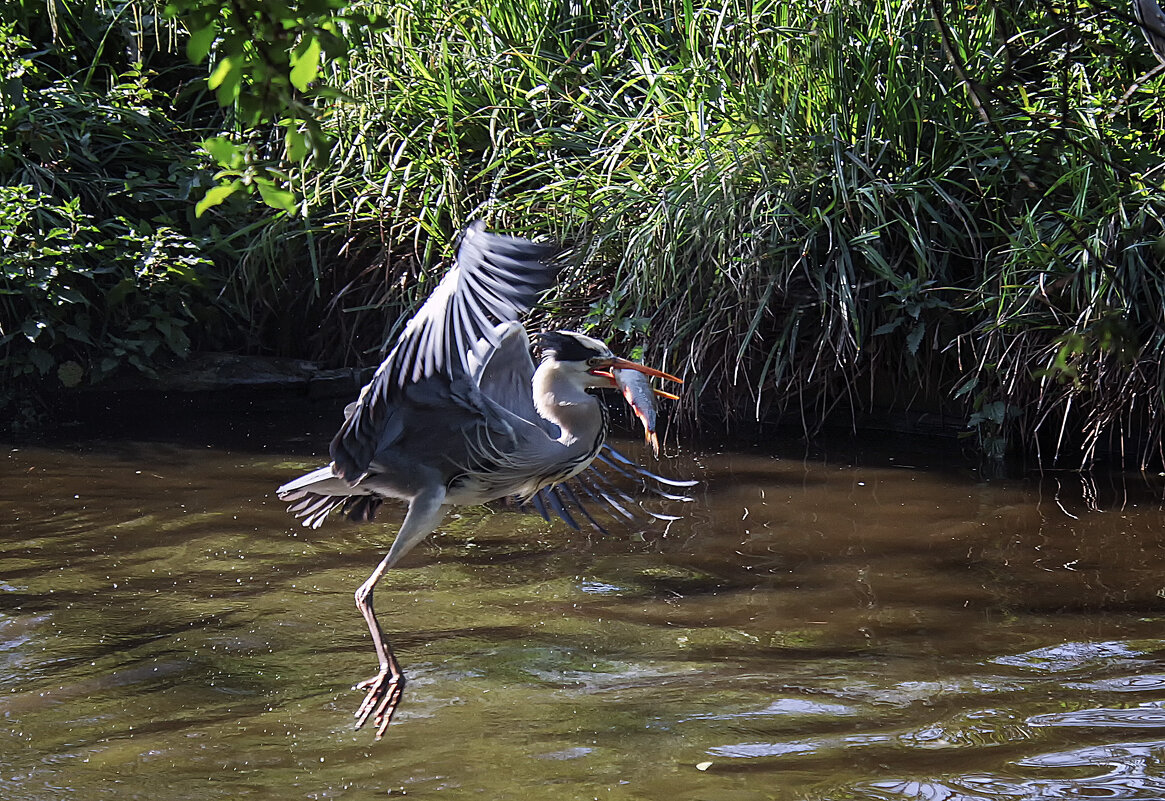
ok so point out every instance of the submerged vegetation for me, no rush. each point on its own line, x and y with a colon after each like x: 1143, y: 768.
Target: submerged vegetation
x: 817, y: 211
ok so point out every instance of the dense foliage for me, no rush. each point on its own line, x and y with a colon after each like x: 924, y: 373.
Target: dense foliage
x: 101, y: 266
x: 815, y: 210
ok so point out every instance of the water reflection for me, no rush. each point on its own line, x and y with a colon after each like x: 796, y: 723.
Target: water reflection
x: 812, y: 628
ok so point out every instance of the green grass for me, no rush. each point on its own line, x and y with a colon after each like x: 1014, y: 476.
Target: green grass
x: 806, y: 208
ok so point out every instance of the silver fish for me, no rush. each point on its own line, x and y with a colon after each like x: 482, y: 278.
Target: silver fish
x: 638, y: 392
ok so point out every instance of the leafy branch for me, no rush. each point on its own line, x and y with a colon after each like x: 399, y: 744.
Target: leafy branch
x: 267, y: 63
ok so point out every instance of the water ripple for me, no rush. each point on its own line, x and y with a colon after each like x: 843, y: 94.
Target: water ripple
x: 1149, y: 715
x: 984, y: 787
x: 800, y: 707
x: 1122, y: 684
x: 600, y: 588
x: 1072, y: 656
x: 1090, y: 756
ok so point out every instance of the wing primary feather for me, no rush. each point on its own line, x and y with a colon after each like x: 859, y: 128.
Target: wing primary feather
x: 570, y: 495
x: 467, y: 330
x: 609, y: 463
x: 614, y: 504
x: 559, y: 508
x: 671, y: 482
x: 604, y: 482
x: 639, y: 476
x: 671, y: 496
x: 605, y: 496
x: 585, y: 486
x: 640, y: 469
x: 539, y: 506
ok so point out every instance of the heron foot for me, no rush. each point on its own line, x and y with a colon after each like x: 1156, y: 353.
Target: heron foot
x: 384, y: 691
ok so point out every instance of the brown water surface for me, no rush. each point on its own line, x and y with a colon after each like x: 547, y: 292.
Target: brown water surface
x: 874, y: 623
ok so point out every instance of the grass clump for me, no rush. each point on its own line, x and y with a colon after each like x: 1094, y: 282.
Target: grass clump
x: 818, y: 211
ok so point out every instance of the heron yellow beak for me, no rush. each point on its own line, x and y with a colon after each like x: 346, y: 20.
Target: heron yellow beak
x: 617, y: 363
x: 627, y: 364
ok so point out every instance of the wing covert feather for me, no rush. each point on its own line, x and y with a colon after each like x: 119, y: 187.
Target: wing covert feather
x: 495, y: 279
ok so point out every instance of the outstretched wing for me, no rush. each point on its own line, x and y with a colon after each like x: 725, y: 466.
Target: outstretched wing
x: 504, y: 372
x: 594, y: 487
x: 495, y: 279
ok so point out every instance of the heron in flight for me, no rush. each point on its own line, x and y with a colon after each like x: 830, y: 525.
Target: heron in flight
x: 457, y: 414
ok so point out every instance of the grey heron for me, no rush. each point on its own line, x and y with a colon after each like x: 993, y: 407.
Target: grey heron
x: 458, y: 414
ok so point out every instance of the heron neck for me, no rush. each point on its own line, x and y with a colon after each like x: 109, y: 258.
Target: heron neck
x: 577, y: 413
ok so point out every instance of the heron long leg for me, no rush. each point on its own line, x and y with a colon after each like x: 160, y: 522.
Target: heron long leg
x: 384, y: 690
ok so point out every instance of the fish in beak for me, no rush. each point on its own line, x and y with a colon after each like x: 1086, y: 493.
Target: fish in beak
x: 631, y: 378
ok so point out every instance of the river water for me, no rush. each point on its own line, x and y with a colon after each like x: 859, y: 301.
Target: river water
x: 858, y: 622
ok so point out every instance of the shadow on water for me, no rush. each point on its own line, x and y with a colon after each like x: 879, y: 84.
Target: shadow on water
x: 859, y: 621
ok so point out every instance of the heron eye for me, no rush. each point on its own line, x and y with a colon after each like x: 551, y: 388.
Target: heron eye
x: 595, y: 361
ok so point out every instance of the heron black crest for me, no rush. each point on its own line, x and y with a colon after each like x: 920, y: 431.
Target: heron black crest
x: 570, y: 347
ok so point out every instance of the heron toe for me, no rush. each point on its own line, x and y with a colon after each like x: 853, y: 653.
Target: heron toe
x: 384, y: 692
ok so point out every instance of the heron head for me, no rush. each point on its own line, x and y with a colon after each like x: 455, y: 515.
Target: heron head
x: 576, y: 353
x: 588, y: 356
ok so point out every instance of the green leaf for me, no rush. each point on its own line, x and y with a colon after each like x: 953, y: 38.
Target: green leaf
x: 296, y: 144
x: 275, y: 197
x: 216, y: 195
x: 77, y: 334
x: 33, y: 328
x: 177, y: 340
x: 198, y: 45
x: 994, y: 412
x: 914, y: 338
x: 305, y: 63
x: 119, y: 292
x: 225, y: 81
x: 219, y: 73
x: 42, y: 359
x: 223, y: 151
x: 70, y: 295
